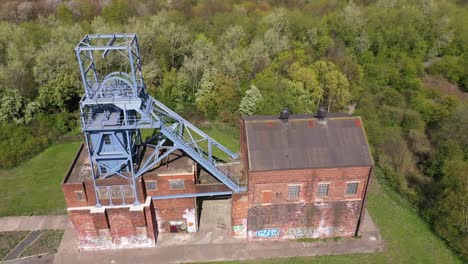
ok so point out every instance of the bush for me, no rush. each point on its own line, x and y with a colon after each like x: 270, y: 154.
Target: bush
x: 450, y: 67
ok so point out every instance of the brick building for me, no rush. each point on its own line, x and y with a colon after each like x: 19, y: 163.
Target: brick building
x: 307, y: 176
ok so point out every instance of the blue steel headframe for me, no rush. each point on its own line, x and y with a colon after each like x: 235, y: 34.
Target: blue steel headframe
x: 116, y: 106
x: 103, y: 84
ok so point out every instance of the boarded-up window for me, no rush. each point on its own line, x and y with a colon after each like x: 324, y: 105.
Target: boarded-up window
x: 79, y: 195
x: 151, y: 185
x: 293, y: 191
x: 128, y: 191
x: 176, y: 184
x: 116, y: 192
x: 103, y: 193
x: 351, y: 188
x: 266, y: 197
x: 322, y: 189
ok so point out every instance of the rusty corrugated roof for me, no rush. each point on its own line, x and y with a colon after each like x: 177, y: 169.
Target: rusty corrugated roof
x: 304, y: 142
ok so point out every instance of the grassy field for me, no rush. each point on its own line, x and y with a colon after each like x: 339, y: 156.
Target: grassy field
x: 8, y: 240
x: 47, y: 242
x: 408, y: 238
x: 33, y: 187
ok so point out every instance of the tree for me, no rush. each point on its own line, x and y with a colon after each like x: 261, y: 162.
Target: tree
x: 217, y: 96
x: 117, y: 11
x: 62, y: 93
x: 204, y: 55
x: 276, y: 37
x: 335, y: 86
x: 250, y: 102
x: 11, y: 107
x: 64, y: 14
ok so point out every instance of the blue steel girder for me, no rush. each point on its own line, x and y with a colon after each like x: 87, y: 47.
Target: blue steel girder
x: 116, y: 103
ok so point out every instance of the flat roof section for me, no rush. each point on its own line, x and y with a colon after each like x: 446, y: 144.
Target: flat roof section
x: 302, y: 141
x: 176, y: 163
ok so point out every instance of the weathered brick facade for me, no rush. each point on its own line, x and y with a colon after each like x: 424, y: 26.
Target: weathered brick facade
x: 121, y: 224
x: 278, y: 216
x: 286, y: 203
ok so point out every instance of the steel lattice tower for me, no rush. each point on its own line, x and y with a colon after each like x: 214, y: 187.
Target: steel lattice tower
x: 116, y: 106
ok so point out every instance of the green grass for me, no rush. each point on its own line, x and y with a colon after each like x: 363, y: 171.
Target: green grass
x: 8, y: 240
x: 33, y: 187
x: 47, y: 242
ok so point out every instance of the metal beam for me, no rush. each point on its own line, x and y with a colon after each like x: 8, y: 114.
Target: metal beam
x: 189, y: 195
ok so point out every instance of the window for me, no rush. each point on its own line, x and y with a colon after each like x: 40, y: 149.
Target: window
x: 103, y: 193
x: 107, y: 139
x: 79, y: 195
x: 128, y: 191
x: 322, y: 189
x: 351, y: 188
x: 266, y: 197
x: 103, y: 169
x: 116, y: 192
x: 176, y: 184
x: 151, y: 185
x: 293, y: 191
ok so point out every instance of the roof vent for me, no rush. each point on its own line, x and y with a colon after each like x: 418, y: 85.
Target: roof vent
x: 321, y: 114
x: 284, y: 114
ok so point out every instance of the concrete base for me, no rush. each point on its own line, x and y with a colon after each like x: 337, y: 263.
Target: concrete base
x: 180, y: 248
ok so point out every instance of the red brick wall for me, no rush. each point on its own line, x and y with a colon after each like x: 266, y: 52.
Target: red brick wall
x: 83, y: 224
x: 131, y: 225
x: 120, y: 220
x: 163, y: 184
x: 172, y: 209
x: 276, y: 216
x: 239, y: 206
x: 70, y: 193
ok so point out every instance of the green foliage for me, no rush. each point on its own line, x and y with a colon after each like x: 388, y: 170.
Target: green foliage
x: 118, y: 11
x: 450, y: 67
x: 62, y: 93
x: 249, y: 103
x: 64, y: 14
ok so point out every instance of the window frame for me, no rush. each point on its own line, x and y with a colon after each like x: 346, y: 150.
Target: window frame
x: 298, y: 192
x: 106, y: 138
x: 318, y: 194
x: 80, y: 196
x: 176, y: 189
x: 356, y: 191
x: 155, y: 182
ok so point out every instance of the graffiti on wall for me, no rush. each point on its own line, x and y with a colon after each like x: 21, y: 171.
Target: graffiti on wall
x: 239, y: 230
x: 269, y: 232
x: 300, y: 233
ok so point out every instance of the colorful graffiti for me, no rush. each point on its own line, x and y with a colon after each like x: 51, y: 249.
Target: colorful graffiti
x: 270, y: 232
x: 239, y: 230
